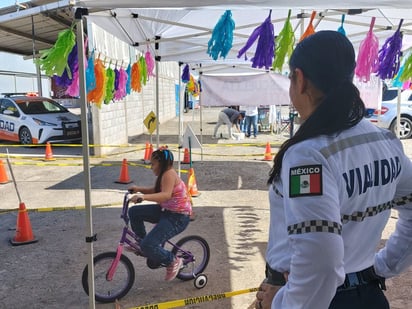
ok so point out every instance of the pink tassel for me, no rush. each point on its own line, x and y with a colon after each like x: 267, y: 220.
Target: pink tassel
x: 368, y: 55
x: 150, y: 63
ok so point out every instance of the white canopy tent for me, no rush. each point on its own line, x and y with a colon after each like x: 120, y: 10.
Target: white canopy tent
x: 180, y: 30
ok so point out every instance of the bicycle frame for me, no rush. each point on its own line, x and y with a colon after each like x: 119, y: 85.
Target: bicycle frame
x: 128, y: 234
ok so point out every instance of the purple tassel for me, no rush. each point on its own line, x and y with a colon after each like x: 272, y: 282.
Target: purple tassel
x: 390, y: 54
x: 116, y: 78
x: 185, y: 74
x: 66, y: 79
x: 265, y: 48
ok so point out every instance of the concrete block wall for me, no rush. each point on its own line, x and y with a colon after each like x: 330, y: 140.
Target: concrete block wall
x: 114, y: 123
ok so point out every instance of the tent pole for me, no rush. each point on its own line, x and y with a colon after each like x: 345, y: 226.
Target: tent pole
x: 201, y: 116
x: 179, y: 133
x: 157, y: 103
x: 80, y: 12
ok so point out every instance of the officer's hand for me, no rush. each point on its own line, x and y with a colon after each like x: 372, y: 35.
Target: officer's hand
x: 265, y: 295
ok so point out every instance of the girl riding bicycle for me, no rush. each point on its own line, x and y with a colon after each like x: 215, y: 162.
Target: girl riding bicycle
x: 171, y: 213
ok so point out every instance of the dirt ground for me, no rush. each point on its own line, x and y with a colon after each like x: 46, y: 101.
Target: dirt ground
x: 231, y: 214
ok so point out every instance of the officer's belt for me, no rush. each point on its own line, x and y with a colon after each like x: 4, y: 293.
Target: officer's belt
x: 362, y: 277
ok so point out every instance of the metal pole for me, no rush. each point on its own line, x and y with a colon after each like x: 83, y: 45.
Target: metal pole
x: 85, y: 148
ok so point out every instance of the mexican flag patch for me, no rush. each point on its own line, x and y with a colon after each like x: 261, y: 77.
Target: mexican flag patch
x: 305, y: 180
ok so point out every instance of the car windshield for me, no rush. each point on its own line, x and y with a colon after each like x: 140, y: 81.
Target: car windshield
x: 40, y: 106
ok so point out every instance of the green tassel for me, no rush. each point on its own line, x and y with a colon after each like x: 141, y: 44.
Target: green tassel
x: 110, y: 76
x: 284, y: 44
x: 143, y: 70
x: 407, y: 69
x: 54, y: 60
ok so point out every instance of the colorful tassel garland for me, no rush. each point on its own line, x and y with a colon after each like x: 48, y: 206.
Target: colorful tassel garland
x: 54, y: 60
x: 367, y: 61
x: 129, y: 79
x: 222, y: 37
x: 185, y: 74
x: 150, y: 63
x: 341, y: 29
x: 265, y: 48
x: 309, y: 29
x: 98, y: 93
x: 136, y: 81
x: 389, y: 55
x: 284, y: 44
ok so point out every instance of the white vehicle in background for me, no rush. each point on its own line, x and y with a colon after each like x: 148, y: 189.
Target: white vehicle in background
x: 386, y: 117
x: 30, y: 119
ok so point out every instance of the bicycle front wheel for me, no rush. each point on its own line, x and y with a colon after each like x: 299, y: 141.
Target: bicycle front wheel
x: 108, y: 291
x: 188, y: 247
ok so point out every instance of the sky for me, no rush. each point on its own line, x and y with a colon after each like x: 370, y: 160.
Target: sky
x: 4, y: 3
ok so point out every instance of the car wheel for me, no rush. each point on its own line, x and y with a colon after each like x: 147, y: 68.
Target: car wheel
x: 25, y: 136
x: 405, y: 128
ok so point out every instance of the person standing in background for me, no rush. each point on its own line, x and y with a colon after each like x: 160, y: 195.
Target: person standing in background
x: 251, y: 119
x: 229, y: 117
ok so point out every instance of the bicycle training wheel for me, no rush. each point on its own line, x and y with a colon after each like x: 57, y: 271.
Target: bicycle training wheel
x: 199, y: 248
x: 122, y: 281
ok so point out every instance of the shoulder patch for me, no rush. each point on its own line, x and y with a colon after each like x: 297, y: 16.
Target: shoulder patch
x: 305, y: 180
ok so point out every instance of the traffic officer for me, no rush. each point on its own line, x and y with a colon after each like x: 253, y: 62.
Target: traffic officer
x: 332, y: 187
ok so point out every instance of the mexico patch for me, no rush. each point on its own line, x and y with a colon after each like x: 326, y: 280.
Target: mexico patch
x: 305, y: 180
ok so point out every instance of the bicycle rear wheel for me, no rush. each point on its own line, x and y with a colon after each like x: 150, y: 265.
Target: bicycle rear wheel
x: 123, y: 279
x: 199, y: 248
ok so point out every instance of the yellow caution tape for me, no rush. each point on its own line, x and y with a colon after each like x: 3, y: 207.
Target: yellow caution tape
x: 194, y: 300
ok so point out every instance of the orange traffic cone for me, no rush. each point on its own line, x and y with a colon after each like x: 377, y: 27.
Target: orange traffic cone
x: 192, y: 184
x: 24, y: 233
x: 49, y: 153
x: 186, y: 157
x: 146, y: 157
x: 150, y: 152
x: 268, y: 153
x: 3, y: 175
x: 124, y: 173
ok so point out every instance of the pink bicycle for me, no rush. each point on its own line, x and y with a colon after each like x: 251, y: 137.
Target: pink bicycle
x: 114, y: 273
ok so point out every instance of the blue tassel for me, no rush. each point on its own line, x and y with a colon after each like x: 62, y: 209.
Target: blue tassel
x: 185, y: 74
x: 265, y: 48
x: 222, y: 37
x: 341, y: 29
x: 90, y: 76
x: 129, y: 79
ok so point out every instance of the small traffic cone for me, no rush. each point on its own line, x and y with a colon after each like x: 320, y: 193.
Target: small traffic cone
x: 192, y: 184
x: 24, y: 233
x: 268, y: 153
x: 124, y: 173
x: 49, y: 153
x: 150, y: 152
x: 3, y: 175
x: 186, y: 157
x: 146, y: 157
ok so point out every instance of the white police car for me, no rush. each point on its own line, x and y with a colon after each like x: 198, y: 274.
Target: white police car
x: 386, y: 117
x: 30, y: 119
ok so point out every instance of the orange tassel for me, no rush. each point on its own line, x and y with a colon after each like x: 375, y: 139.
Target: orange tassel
x: 310, y: 29
x: 98, y: 93
x: 136, y: 82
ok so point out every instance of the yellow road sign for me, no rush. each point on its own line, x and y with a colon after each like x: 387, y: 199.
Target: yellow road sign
x: 150, y: 122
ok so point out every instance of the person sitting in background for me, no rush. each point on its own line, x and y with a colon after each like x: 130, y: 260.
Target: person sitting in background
x: 229, y: 117
x: 171, y: 213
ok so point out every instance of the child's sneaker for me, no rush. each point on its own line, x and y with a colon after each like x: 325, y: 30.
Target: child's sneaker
x: 173, y: 269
